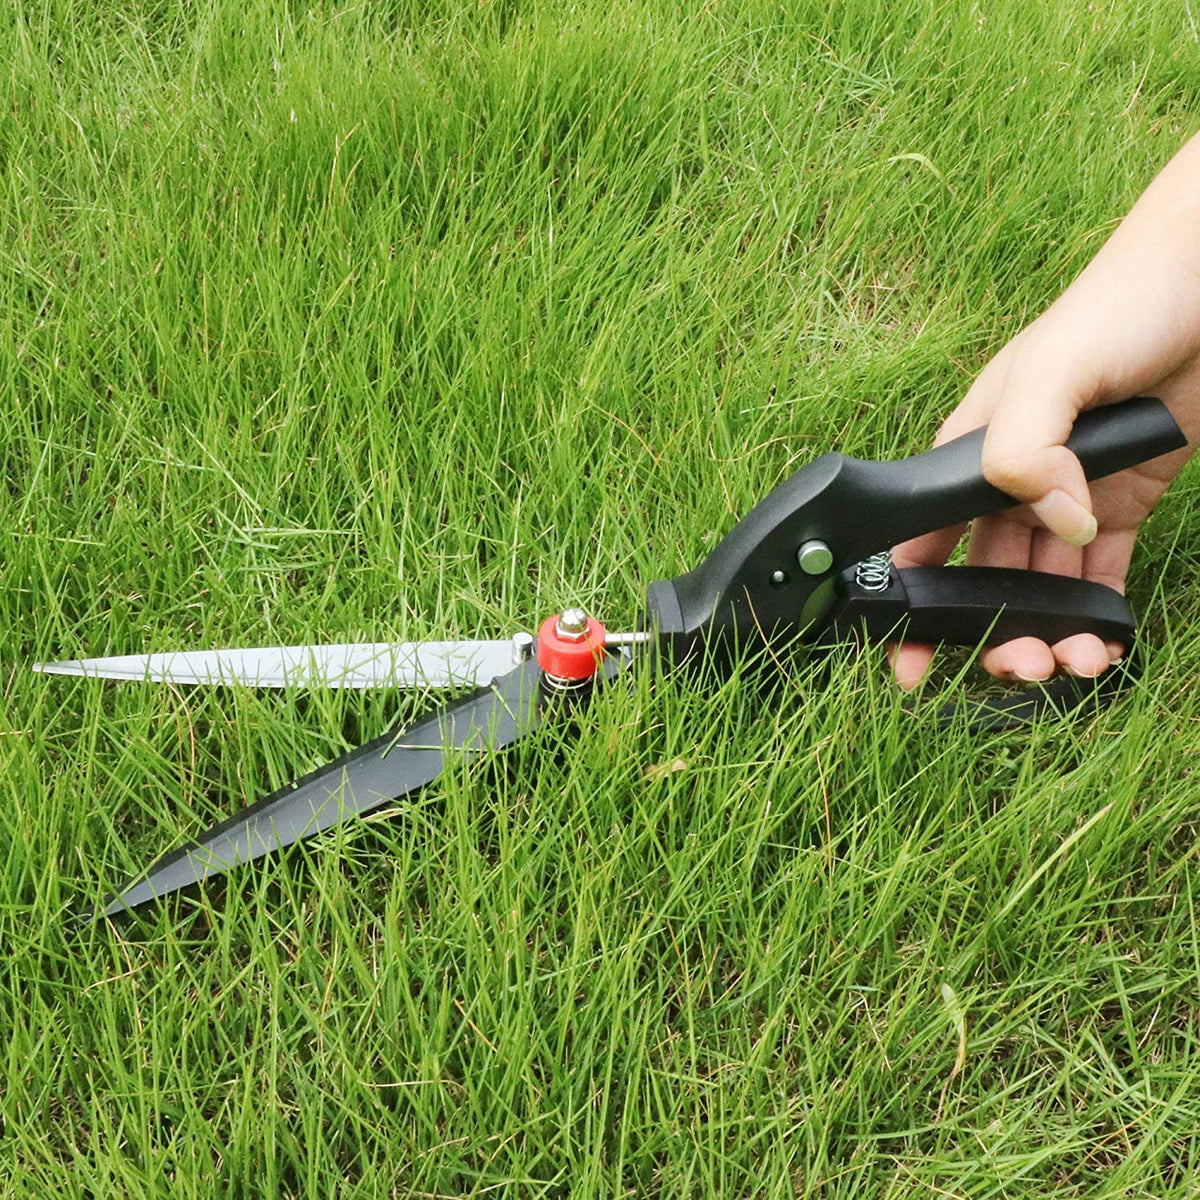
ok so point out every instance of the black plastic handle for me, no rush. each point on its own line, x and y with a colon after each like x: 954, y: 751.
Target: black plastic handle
x: 945, y: 486
x: 972, y: 606
x: 751, y: 586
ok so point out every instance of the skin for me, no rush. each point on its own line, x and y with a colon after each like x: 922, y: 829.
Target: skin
x: 1128, y: 325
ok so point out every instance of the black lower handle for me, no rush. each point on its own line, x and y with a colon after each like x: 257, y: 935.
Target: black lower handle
x: 972, y: 606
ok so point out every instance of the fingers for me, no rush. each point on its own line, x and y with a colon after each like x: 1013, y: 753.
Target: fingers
x: 1054, y: 556
x: 931, y: 550
x: 1023, y: 660
x: 1085, y: 656
x: 1002, y: 542
x: 1107, y: 559
x: 1005, y: 541
x: 909, y: 663
x: 1024, y: 452
x: 1028, y: 660
x: 1029, y: 415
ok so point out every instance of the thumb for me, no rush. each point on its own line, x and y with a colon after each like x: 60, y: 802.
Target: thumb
x: 1024, y: 455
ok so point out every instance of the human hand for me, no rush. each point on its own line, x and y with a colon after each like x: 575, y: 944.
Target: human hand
x: 1129, y: 325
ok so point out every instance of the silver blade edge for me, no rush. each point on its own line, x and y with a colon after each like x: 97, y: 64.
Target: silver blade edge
x: 347, y: 665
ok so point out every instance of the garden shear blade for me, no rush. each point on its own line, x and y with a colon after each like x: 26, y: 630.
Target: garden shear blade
x: 347, y: 665
x: 387, y: 768
x: 808, y: 564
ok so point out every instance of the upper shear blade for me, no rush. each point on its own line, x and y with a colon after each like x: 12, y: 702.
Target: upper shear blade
x: 349, y: 665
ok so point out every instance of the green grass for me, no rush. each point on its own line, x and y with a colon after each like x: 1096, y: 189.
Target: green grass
x: 424, y: 320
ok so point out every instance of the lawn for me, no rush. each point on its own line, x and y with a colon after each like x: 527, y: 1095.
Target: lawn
x: 407, y: 321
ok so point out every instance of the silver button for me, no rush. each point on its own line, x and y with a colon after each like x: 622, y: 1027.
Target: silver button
x: 814, y: 557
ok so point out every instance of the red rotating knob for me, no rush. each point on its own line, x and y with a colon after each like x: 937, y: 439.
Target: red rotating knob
x: 570, y: 646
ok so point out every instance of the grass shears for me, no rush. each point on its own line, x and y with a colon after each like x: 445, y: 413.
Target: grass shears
x: 808, y: 564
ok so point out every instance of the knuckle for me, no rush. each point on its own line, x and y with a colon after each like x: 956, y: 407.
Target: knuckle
x: 1012, y: 471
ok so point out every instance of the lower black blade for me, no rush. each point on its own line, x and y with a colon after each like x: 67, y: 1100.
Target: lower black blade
x: 382, y: 770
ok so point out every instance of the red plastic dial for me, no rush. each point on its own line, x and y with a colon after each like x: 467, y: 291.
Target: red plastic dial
x: 567, y: 659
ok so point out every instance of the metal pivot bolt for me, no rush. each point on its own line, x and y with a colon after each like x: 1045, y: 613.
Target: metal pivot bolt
x: 814, y: 557
x: 572, y: 625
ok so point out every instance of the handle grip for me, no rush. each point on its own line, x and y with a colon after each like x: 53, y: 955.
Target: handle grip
x: 752, y: 586
x: 972, y: 606
x: 945, y: 486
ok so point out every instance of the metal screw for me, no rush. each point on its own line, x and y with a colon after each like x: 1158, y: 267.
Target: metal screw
x: 778, y: 578
x: 522, y: 648
x: 572, y: 625
x: 814, y: 557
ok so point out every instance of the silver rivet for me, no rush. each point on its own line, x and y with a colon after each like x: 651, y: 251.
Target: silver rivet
x: 779, y: 578
x: 522, y: 648
x: 572, y: 624
x: 814, y: 557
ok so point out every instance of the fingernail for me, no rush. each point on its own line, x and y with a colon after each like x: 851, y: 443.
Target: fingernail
x: 1078, y: 674
x: 1030, y: 678
x: 1066, y: 517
